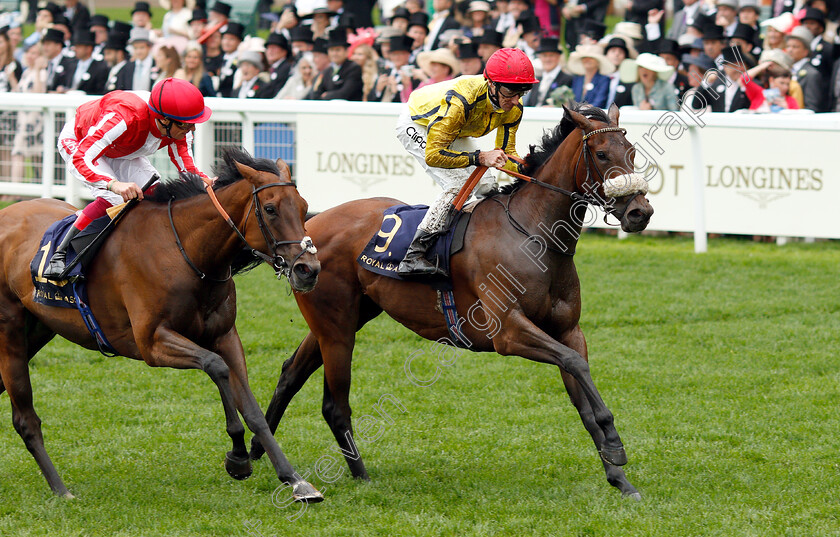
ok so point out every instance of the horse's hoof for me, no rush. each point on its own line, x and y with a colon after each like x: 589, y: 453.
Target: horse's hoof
x: 304, y: 492
x: 616, y: 457
x: 237, y: 467
x: 633, y: 496
x: 68, y: 496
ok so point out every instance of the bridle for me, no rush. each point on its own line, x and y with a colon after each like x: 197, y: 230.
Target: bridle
x: 278, y: 262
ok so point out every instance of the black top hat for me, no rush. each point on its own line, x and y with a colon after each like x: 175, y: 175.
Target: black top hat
x: 401, y: 43
x: 301, y: 33
x: 814, y: 14
x: 701, y: 20
x: 529, y: 22
x: 467, y: 51
x: 120, y: 27
x: 53, y: 8
x: 84, y: 37
x: 55, y: 35
x: 198, y: 14
x: 280, y: 40
x: 490, y: 37
x: 401, y: 13
x: 99, y: 20
x: 337, y: 37
x: 552, y: 44
x: 319, y: 45
x: 615, y: 42
x: 734, y: 55
x: 419, y: 19
x: 142, y: 6
x: 234, y: 28
x: 713, y: 31
x: 593, y: 29
x: 669, y: 46
x: 222, y: 8
x: 116, y: 41
x: 701, y: 60
x: 743, y: 31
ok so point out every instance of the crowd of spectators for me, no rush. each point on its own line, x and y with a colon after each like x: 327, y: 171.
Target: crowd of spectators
x: 736, y: 53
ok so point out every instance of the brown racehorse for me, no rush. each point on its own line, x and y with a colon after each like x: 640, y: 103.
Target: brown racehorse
x: 539, y: 318
x: 152, y: 304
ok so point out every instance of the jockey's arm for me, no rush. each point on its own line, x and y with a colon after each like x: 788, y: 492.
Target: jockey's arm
x: 180, y: 153
x: 442, y: 131
x: 506, y: 139
x: 89, y: 148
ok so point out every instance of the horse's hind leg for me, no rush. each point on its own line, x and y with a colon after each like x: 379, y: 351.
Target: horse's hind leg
x: 14, y: 370
x: 615, y: 474
x: 295, y: 372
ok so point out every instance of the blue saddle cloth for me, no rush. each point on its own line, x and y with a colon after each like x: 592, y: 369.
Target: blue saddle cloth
x: 61, y: 293
x: 388, y: 246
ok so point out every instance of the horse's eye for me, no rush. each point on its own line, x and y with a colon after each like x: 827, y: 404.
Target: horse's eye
x: 269, y: 209
x: 601, y: 155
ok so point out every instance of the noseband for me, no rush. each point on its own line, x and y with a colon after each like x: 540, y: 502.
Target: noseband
x: 278, y: 262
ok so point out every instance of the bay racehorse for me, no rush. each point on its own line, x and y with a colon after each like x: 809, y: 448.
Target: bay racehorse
x: 523, y: 237
x: 160, y: 304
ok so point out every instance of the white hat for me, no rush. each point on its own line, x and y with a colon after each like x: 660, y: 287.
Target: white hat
x: 140, y: 34
x: 782, y: 23
x: 253, y: 57
x: 478, y: 5
x: 439, y: 55
x: 728, y: 3
x: 575, y: 65
x: 777, y: 56
x: 630, y: 71
x: 633, y: 30
x: 801, y: 33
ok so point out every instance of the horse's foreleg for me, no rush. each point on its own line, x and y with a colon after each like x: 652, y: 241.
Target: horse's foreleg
x: 615, y: 474
x: 520, y: 337
x: 230, y: 348
x: 336, y: 405
x: 295, y: 372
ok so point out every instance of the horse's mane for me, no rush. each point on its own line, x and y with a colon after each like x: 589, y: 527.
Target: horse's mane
x: 551, y: 140
x: 188, y: 185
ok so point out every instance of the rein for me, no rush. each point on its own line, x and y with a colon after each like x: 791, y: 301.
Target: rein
x: 278, y: 262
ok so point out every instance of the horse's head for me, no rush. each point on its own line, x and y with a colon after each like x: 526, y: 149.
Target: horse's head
x: 607, y: 172
x: 279, y: 225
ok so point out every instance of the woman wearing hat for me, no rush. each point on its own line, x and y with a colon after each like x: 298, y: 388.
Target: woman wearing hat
x: 437, y: 65
x: 590, y: 67
x: 653, y: 92
x: 478, y: 15
x: 438, y: 127
x: 776, y: 79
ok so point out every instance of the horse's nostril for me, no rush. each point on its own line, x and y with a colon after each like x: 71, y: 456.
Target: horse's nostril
x: 302, y: 269
x: 635, y: 215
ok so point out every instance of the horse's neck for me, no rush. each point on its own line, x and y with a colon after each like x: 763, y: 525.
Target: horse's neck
x: 554, y: 215
x: 207, y: 237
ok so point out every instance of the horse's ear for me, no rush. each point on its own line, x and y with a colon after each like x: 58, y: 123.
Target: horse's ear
x: 285, y: 172
x: 579, y: 120
x: 613, y: 112
x: 247, y: 172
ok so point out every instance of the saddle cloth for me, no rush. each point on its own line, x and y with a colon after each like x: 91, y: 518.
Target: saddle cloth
x: 385, y: 250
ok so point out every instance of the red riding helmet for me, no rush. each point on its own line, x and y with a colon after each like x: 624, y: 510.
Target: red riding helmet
x: 510, y: 66
x: 177, y: 99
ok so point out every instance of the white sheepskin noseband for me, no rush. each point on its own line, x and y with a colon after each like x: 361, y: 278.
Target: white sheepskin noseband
x: 624, y: 185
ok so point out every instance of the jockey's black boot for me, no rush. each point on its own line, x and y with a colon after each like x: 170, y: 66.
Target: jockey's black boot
x: 415, y: 264
x: 56, y: 266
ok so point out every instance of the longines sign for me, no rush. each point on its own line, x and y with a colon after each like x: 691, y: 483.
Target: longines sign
x: 776, y: 180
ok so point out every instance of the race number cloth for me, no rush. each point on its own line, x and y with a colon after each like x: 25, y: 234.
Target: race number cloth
x: 383, y: 253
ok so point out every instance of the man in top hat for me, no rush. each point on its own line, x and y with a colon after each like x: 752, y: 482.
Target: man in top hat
x: 529, y: 31
x: 301, y: 39
x: 669, y: 50
x: 488, y: 43
x: 726, y: 93
x: 141, y: 15
x: 399, y: 20
x: 139, y: 73
x: 57, y: 63
x: 749, y: 12
x: 116, y: 57
x: 220, y: 12
x: 321, y: 61
x: 714, y: 42
x: 418, y: 30
x: 442, y: 20
x: 822, y: 51
x: 232, y: 35
x: 84, y: 73
x: 78, y: 15
x: 342, y: 79
x: 618, y: 48
x: 577, y: 15
x: 362, y: 12
x: 726, y: 15
x: 278, y: 53
x: 808, y: 76
x: 744, y: 38
x: 471, y: 62
x: 197, y: 22
x: 553, y: 77
x: 396, y: 83
x: 99, y: 27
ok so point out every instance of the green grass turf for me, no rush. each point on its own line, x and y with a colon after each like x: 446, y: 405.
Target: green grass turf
x: 721, y: 369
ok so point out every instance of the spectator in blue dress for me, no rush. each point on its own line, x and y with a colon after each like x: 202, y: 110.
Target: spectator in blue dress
x: 590, y: 67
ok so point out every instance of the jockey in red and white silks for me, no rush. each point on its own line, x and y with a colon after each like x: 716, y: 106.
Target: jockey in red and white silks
x: 107, y: 145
